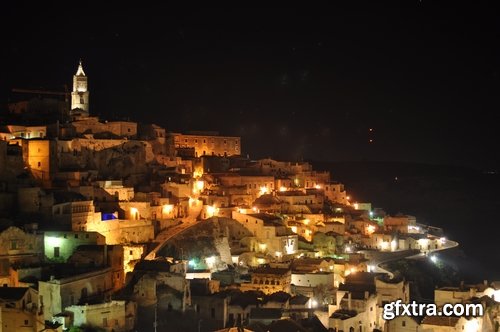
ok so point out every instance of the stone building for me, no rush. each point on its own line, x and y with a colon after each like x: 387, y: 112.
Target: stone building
x: 335, y: 192
x: 19, y: 246
x: 270, y: 234
x: 57, y: 294
x: 60, y: 245
x: 80, y: 94
x: 117, y: 316
x: 42, y: 159
x: 207, y: 143
x: 102, y: 256
x: 389, y: 290
x: 269, y: 280
x: 20, y: 310
x: 107, y: 129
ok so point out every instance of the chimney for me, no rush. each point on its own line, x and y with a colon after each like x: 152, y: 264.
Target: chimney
x: 349, y: 301
x: 485, y: 282
x: 367, y: 295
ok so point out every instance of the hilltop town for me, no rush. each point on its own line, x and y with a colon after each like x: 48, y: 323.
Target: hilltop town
x: 126, y: 226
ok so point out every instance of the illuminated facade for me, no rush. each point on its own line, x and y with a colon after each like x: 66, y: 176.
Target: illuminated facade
x: 42, y: 158
x: 57, y: 294
x: 269, y: 280
x: 207, y: 145
x: 60, y: 245
x: 270, y: 236
x: 80, y: 94
x: 110, y: 316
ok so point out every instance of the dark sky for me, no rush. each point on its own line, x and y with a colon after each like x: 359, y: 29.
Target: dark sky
x: 293, y: 82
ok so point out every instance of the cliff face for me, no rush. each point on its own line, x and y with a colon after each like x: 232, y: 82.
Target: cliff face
x: 211, y: 237
x: 113, y: 158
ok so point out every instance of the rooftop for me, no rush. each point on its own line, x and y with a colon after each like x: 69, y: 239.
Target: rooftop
x: 245, y: 299
x: 298, y: 300
x: 265, y: 313
x: 343, y: 314
x: 12, y: 293
x: 280, y: 297
x: 270, y: 270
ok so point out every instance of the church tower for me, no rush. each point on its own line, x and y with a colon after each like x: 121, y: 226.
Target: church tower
x: 80, y: 94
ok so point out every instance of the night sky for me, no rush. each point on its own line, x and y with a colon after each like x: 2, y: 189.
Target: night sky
x: 295, y: 83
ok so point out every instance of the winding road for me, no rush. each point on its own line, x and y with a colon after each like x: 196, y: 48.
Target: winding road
x: 377, y: 258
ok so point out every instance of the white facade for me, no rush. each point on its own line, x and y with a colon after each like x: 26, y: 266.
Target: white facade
x: 111, y: 316
x: 313, y: 279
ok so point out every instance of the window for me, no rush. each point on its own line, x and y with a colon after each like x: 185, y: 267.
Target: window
x: 39, y: 164
x: 82, y: 101
x: 86, y: 236
x: 104, y: 321
x: 13, y: 245
x: 57, y: 251
x: 403, y: 323
x: 212, y: 312
x: 130, y: 253
x: 76, y: 236
x: 26, y: 322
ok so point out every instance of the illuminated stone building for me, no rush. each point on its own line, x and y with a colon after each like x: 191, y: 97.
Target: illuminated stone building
x: 42, y: 159
x: 80, y: 94
x: 57, y: 294
x: 19, y: 246
x: 92, y: 255
x: 336, y: 193
x: 118, y: 316
x: 114, y: 129
x: 60, y: 245
x: 269, y: 280
x: 207, y: 143
x: 270, y: 235
x: 27, y: 132
x: 19, y: 310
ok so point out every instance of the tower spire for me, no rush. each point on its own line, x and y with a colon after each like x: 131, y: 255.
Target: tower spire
x: 79, y: 71
x: 80, y: 94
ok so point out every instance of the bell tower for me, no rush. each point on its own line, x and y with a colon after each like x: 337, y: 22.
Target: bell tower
x: 80, y: 94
